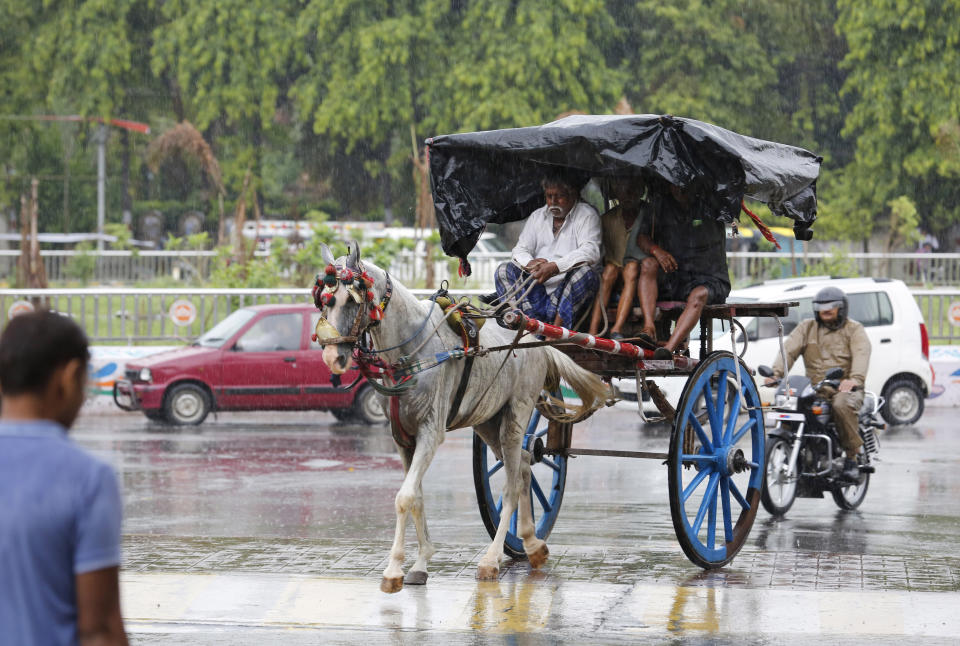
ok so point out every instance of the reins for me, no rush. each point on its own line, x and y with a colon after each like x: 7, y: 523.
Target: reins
x: 397, y: 378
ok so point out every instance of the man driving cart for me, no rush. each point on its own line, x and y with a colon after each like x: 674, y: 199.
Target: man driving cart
x: 554, y: 270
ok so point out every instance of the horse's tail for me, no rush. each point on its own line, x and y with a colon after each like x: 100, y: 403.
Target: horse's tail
x: 591, y: 390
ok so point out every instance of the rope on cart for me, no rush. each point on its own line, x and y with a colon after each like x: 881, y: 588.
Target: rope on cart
x: 783, y: 357
x: 736, y: 369
x: 578, y: 412
x: 667, y: 411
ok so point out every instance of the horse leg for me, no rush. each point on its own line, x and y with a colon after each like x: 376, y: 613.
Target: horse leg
x: 535, y: 548
x: 404, y: 503
x: 417, y: 575
x: 510, y: 438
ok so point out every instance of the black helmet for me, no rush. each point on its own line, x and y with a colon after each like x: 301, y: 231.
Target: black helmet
x: 830, y: 298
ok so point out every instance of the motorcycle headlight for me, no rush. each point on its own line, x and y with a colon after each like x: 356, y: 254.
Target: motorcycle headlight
x: 145, y: 375
x: 787, y: 401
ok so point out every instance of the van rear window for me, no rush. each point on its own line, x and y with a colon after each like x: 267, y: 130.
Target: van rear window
x: 867, y: 308
x: 871, y: 308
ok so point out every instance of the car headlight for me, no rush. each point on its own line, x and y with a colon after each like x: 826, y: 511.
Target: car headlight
x: 145, y: 374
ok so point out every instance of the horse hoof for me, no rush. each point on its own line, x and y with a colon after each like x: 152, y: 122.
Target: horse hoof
x: 488, y: 573
x: 538, y: 557
x: 391, y: 585
x: 415, y: 577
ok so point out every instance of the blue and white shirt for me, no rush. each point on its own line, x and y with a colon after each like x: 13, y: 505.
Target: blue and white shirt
x: 60, y: 515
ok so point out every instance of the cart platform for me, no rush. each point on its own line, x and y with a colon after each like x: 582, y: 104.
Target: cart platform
x: 609, y: 365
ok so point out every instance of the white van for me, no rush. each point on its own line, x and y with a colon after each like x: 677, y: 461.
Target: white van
x: 899, y: 369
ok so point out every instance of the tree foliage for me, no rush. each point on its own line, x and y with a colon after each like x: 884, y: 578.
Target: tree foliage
x: 904, y: 77
x: 320, y: 97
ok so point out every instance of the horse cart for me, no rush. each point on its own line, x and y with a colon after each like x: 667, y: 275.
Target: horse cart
x: 716, y: 451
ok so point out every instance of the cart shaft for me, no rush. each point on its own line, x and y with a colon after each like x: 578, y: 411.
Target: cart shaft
x: 649, y: 455
x: 515, y: 320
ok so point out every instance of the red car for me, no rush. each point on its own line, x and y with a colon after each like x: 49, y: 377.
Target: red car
x: 257, y: 358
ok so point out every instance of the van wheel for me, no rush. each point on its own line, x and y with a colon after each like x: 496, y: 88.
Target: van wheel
x: 367, y: 407
x: 904, y: 402
x: 187, y: 404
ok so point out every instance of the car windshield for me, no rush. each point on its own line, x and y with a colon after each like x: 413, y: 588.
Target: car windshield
x: 494, y: 244
x: 219, y: 333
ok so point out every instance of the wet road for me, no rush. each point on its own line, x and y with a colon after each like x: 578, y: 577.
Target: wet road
x: 273, y: 528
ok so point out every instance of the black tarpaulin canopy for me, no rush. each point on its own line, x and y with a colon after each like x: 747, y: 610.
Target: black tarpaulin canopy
x: 494, y: 176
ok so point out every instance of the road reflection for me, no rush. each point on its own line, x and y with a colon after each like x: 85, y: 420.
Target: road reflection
x: 835, y: 531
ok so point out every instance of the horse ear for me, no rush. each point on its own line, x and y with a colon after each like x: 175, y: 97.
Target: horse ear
x: 325, y: 254
x: 353, y: 259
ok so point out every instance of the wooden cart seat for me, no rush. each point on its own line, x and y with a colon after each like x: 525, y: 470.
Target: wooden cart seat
x: 610, y: 365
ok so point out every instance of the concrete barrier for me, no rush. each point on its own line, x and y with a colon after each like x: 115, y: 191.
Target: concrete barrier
x: 107, y: 363
x: 946, y: 382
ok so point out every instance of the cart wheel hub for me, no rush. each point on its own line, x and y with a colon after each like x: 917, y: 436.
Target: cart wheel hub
x: 736, y: 462
x: 536, y: 453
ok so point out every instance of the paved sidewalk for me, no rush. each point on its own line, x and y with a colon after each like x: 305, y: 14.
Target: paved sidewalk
x: 231, y: 591
x: 649, y: 564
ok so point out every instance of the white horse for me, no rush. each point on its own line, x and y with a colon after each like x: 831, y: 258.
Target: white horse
x: 499, y: 398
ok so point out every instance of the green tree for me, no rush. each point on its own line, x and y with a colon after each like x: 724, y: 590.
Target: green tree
x: 698, y: 58
x: 232, y: 62
x: 523, y: 63
x: 382, y: 67
x: 74, y: 58
x: 807, y: 110
x: 904, y: 76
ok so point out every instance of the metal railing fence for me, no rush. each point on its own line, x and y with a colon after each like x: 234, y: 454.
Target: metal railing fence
x: 935, y: 305
x: 118, y: 266
x: 930, y: 269
x: 142, y: 316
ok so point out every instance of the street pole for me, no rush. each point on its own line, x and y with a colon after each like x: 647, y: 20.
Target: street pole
x: 101, y: 182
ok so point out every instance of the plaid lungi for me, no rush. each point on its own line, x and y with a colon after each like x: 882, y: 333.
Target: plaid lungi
x: 569, y: 300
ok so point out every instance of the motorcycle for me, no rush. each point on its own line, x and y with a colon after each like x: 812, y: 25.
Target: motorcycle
x: 803, y: 454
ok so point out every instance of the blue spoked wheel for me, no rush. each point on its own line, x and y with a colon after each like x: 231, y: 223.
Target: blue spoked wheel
x: 547, y: 480
x: 716, y: 461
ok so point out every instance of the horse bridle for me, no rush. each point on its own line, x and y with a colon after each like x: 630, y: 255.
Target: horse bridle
x: 324, y: 288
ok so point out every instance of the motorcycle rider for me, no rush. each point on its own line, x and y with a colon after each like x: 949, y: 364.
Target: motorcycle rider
x: 831, y: 339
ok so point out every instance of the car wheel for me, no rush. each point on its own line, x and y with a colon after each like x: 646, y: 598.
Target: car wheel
x: 156, y: 416
x: 367, y: 407
x: 187, y: 404
x: 342, y: 414
x: 903, y: 402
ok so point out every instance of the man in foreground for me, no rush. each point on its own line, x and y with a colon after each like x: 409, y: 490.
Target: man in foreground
x: 830, y: 340
x: 555, y: 267
x: 61, y: 511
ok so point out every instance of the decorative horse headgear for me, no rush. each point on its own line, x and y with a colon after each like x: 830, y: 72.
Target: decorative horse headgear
x: 359, y: 287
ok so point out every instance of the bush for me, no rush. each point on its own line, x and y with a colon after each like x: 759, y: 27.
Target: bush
x: 83, y: 265
x: 838, y: 264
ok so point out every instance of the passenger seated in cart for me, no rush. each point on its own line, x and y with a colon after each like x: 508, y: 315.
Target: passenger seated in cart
x: 554, y: 271
x: 616, y: 224
x: 680, y: 249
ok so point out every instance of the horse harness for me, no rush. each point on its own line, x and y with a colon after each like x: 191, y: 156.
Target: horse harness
x: 359, y: 287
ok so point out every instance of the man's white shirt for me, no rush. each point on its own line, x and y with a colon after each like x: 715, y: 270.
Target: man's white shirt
x: 578, y: 241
